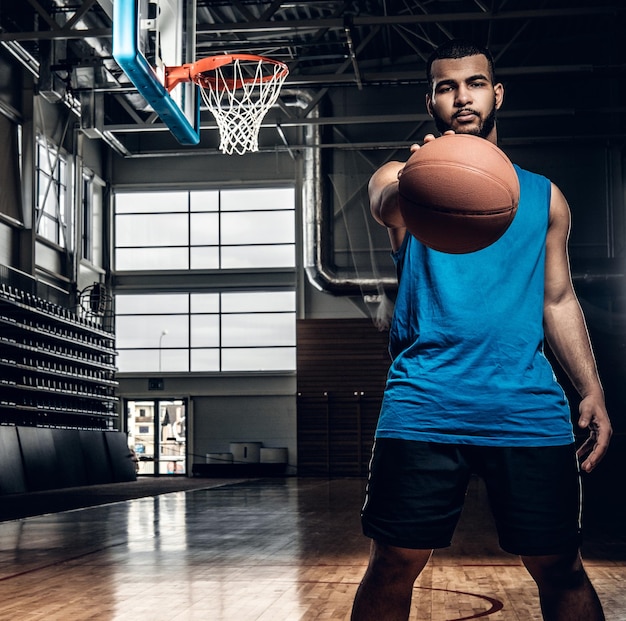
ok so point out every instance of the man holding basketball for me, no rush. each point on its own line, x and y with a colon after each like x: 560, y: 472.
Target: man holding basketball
x: 470, y: 390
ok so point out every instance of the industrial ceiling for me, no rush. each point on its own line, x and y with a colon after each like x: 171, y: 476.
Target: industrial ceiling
x: 360, y: 63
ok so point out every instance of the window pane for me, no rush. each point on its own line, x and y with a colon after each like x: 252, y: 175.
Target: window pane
x: 205, y: 302
x: 236, y: 257
x: 151, y: 331
x: 263, y: 359
x: 205, y: 331
x: 159, y: 231
x: 257, y: 198
x: 205, y: 360
x: 258, y: 301
x: 62, y: 171
x: 48, y: 227
x: 62, y: 200
x: 258, y: 329
x: 204, y: 201
x: 47, y: 198
x: 265, y: 227
x: 150, y: 202
x: 158, y: 303
x: 142, y: 360
x: 204, y: 258
x: 262, y: 237
x: 204, y: 229
x: 152, y: 259
x: 45, y: 158
x: 134, y: 360
x: 152, y: 230
x: 174, y: 360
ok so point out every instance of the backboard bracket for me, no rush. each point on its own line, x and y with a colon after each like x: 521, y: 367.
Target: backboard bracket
x: 132, y: 60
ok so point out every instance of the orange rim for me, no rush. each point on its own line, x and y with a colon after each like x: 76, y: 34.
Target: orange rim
x: 202, y: 72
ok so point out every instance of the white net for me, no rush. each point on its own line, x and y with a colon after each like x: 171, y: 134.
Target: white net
x: 239, y: 95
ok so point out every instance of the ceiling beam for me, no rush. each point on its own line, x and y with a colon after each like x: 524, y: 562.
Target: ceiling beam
x: 44, y: 14
x: 328, y: 23
x: 361, y: 119
x: 602, y: 139
x: 388, y: 20
x: 62, y: 33
x: 418, y: 76
x: 83, y: 10
x: 107, y: 7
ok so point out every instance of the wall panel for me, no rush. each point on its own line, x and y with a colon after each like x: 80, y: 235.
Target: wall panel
x: 342, y: 367
x: 12, y: 476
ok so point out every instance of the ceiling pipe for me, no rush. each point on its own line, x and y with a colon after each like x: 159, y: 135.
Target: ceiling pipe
x: 317, y: 243
x: 334, y: 23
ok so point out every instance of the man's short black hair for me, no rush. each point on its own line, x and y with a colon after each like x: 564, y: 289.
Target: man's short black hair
x: 458, y: 48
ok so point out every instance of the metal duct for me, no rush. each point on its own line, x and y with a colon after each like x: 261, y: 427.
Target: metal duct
x: 318, y: 250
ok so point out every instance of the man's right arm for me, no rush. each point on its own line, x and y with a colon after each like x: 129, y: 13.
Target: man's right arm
x: 384, y: 204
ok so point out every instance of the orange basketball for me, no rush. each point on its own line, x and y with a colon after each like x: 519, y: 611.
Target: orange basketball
x: 458, y: 193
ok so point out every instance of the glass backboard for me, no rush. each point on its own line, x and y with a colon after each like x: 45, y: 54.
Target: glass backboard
x: 149, y: 35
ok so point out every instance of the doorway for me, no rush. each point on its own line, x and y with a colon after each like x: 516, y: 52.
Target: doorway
x: 157, y: 433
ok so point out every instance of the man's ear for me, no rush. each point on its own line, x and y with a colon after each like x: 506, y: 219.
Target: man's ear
x: 429, y: 104
x: 498, y: 90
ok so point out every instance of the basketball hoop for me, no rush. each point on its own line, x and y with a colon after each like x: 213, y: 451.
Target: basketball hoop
x: 238, y: 89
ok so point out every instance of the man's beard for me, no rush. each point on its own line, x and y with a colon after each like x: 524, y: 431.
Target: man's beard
x: 482, y: 131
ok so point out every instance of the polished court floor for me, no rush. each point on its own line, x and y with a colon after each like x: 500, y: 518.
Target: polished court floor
x: 257, y: 550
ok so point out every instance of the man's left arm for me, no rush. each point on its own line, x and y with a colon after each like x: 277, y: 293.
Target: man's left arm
x: 566, y: 333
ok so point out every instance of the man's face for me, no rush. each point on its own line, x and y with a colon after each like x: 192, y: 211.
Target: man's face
x: 463, y: 97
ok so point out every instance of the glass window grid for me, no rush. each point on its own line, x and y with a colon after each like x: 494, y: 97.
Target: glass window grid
x: 206, y: 357
x: 52, y: 194
x: 189, y: 254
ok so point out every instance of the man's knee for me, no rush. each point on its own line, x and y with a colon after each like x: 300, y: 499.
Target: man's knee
x: 398, y: 563
x: 563, y: 571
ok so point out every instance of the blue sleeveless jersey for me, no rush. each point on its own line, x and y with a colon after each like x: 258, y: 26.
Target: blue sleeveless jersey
x: 467, y: 340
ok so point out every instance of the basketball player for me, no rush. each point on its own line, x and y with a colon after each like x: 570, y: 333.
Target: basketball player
x: 470, y: 390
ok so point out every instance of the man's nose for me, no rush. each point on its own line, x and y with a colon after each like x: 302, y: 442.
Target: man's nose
x: 463, y: 96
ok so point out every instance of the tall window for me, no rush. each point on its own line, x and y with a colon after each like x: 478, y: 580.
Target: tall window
x: 215, y: 229
x: 228, y: 331
x: 221, y: 330
x: 53, y: 211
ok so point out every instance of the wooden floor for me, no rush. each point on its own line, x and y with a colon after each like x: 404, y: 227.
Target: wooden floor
x: 259, y: 550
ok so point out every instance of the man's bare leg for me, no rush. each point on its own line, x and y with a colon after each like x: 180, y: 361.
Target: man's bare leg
x: 387, y: 586
x: 565, y: 591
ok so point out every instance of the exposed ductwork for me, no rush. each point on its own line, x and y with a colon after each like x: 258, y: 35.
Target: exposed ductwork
x: 316, y: 210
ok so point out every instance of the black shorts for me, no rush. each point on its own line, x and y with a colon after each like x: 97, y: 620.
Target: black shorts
x: 416, y: 490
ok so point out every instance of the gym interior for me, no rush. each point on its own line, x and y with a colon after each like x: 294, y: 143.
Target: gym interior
x: 191, y: 339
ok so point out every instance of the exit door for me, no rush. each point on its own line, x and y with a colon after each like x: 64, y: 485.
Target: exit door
x: 157, y: 433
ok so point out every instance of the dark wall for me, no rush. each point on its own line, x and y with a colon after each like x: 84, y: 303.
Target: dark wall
x: 39, y: 458
x: 342, y: 367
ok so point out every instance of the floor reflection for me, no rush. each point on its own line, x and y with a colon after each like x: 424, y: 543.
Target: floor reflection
x: 262, y: 550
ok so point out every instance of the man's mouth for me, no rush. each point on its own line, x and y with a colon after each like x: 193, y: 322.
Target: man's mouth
x: 465, y: 115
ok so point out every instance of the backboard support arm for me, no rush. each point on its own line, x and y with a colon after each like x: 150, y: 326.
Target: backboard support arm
x: 129, y: 57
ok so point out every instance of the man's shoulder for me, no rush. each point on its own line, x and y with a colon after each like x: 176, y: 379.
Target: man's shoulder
x: 531, y: 179
x: 529, y: 173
